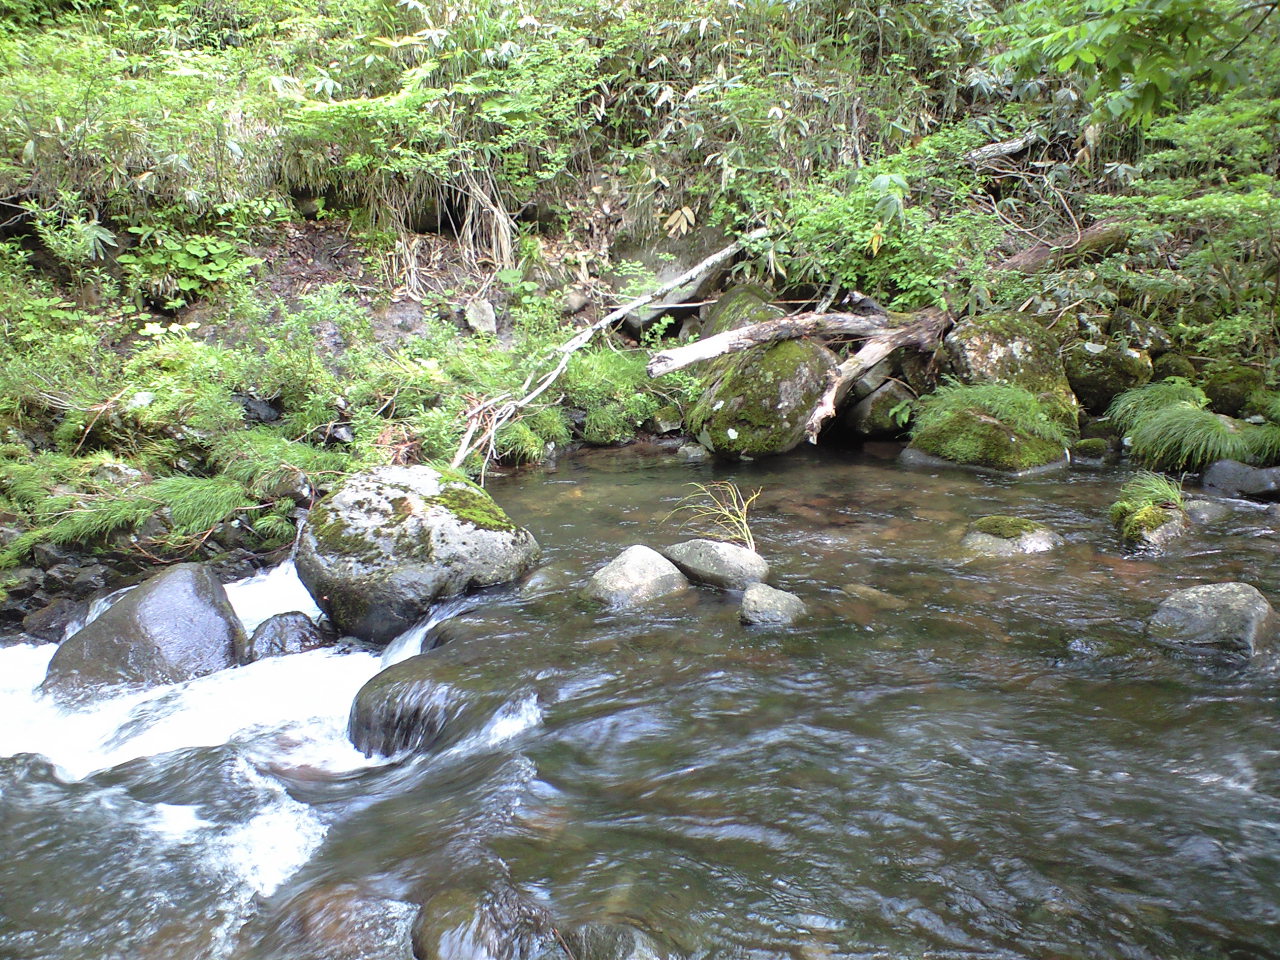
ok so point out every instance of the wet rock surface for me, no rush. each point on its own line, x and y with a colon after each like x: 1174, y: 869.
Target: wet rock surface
x: 765, y: 605
x: 1005, y: 536
x: 285, y: 634
x: 388, y: 544
x: 1224, y: 622
x: 717, y: 563
x: 636, y: 576
x: 175, y: 626
x: 1236, y: 479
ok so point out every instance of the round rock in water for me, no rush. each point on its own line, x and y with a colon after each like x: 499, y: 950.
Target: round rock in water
x: 175, y: 626
x: 385, y: 546
x: 720, y: 564
x: 1230, y: 622
x: 284, y: 634
x: 762, y: 604
x: 1001, y: 536
x: 636, y: 576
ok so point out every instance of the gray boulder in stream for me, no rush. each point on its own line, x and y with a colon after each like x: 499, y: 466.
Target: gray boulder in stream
x: 1225, y: 622
x: 285, y: 634
x: 637, y: 575
x: 720, y: 564
x: 764, y: 605
x: 176, y: 626
x: 384, y: 547
x: 1003, y: 536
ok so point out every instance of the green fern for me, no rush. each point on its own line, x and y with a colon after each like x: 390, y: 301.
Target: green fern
x: 198, y: 503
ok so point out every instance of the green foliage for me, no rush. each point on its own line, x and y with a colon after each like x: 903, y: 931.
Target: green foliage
x: 1133, y: 406
x: 719, y: 511
x: 1014, y: 406
x: 1136, y: 58
x: 1147, y: 502
x: 174, y: 270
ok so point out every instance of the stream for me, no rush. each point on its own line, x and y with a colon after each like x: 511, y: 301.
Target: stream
x: 949, y: 757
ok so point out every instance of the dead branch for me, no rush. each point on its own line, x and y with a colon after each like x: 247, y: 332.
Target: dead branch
x: 1005, y: 148
x: 1100, y: 238
x: 874, y: 322
x: 511, y: 409
x: 924, y: 332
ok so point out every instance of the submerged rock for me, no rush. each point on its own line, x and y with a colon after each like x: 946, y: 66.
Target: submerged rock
x: 1207, y: 511
x: 175, y: 626
x: 1100, y: 372
x: 285, y: 634
x: 762, y: 604
x: 491, y: 925
x: 756, y: 403
x: 636, y: 576
x: 386, y: 545
x: 720, y: 564
x: 599, y: 941
x: 409, y: 707
x: 1237, y: 479
x: 1227, y: 622
x: 1002, y: 536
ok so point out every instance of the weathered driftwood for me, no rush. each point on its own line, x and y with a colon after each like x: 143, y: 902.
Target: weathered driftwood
x: 494, y: 417
x: 1102, y: 237
x: 870, y: 324
x: 1005, y: 148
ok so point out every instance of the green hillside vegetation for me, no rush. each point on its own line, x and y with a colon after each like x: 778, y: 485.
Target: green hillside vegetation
x: 157, y: 161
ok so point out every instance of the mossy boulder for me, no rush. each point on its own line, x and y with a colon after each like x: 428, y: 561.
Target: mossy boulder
x: 972, y: 437
x: 1149, y: 526
x: 740, y: 306
x: 1008, y: 348
x: 174, y: 627
x: 386, y: 545
x: 1230, y: 385
x: 1172, y: 365
x: 1100, y: 372
x: 756, y: 403
x: 1090, y: 448
x: 1005, y: 536
x: 882, y: 413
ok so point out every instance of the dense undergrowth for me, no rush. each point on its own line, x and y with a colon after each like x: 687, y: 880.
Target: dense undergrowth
x: 150, y: 153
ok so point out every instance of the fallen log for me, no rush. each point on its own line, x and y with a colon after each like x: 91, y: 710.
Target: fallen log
x: 924, y: 332
x: 1100, y: 238
x: 876, y: 321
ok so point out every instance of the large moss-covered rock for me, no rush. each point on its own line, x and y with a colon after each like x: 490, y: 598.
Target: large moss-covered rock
x: 1149, y: 526
x: 974, y: 438
x: 1172, y: 365
x: 1229, y: 386
x: 740, y: 306
x: 1099, y: 372
x: 1007, y: 348
x: 380, y: 550
x: 756, y: 403
x: 175, y: 626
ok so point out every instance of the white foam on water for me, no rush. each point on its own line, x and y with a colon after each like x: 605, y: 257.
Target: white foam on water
x: 289, y: 711
x: 268, y: 593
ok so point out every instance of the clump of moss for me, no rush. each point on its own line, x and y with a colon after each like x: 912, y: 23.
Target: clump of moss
x: 473, y: 505
x: 1147, y: 502
x: 1004, y: 527
x: 1091, y: 448
x: 1001, y: 426
x: 1229, y: 386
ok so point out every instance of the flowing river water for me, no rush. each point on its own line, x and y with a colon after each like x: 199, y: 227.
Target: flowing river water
x: 949, y: 758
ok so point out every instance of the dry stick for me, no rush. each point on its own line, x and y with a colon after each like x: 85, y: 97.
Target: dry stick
x: 581, y: 339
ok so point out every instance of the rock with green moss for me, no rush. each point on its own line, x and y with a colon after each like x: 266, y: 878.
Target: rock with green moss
x: 1008, y: 348
x: 883, y: 413
x: 740, y: 306
x: 1172, y: 365
x: 1139, y: 332
x: 971, y: 437
x: 756, y: 403
x: 1100, y: 372
x: 1090, y: 448
x: 386, y: 545
x: 1230, y: 385
x: 1005, y: 536
x: 1148, y: 526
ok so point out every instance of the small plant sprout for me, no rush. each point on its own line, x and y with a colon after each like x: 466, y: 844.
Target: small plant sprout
x: 717, y: 511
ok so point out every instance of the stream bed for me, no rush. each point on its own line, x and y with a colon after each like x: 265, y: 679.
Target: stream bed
x: 949, y: 757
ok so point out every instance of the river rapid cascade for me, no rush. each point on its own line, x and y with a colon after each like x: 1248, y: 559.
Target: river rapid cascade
x: 948, y: 755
